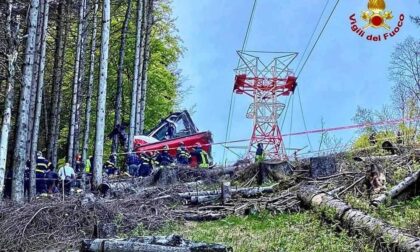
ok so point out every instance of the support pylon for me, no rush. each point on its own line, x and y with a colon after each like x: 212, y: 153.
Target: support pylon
x: 265, y: 83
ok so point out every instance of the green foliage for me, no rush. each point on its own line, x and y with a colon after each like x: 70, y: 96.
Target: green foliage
x: 163, y: 73
x: 404, y: 215
x: 264, y: 232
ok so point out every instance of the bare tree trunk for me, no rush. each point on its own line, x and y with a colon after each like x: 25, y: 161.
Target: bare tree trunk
x: 19, y: 156
x: 70, y: 153
x: 39, y: 93
x: 141, y: 64
x: 90, y: 84
x: 32, y: 103
x: 12, y: 54
x: 146, y: 60
x: 135, y: 79
x: 81, y: 82
x: 118, y: 101
x: 58, y: 72
x: 103, y: 75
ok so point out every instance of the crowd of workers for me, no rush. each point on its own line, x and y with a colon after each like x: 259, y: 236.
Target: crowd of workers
x: 143, y: 164
x: 48, y: 180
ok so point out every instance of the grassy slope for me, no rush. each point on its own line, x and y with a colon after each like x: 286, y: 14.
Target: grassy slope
x: 286, y: 232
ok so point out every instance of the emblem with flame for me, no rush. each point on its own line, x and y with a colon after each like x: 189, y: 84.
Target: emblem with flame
x: 377, y: 16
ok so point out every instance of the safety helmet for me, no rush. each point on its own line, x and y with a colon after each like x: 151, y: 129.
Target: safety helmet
x: 39, y: 154
x: 182, y: 144
x: 166, y: 147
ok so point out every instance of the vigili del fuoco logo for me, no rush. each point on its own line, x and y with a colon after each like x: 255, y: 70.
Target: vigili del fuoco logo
x: 377, y: 19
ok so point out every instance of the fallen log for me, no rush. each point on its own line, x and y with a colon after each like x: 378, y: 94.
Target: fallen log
x: 247, y: 191
x: 398, y: 189
x: 357, y: 221
x: 171, y: 243
x: 203, y: 217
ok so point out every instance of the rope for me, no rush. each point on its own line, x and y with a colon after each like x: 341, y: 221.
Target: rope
x: 319, y: 36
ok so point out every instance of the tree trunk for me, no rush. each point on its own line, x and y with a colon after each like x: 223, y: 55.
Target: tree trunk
x: 59, y: 94
x: 74, y: 106
x: 57, y: 82
x: 19, y: 156
x: 35, y: 77
x: 39, y: 93
x: 141, y: 64
x: 135, y: 79
x: 357, y: 221
x: 118, y: 101
x: 146, y: 61
x: 103, y: 74
x: 171, y: 243
x: 90, y: 84
x: 398, y: 189
x: 12, y: 54
x: 81, y: 82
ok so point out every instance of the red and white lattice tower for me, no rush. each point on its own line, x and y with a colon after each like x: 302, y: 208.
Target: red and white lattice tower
x: 266, y: 83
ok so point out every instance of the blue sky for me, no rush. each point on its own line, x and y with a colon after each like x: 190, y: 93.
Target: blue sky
x: 343, y: 72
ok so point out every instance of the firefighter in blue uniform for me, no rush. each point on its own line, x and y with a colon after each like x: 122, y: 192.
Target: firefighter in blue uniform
x: 40, y: 173
x: 164, y: 158
x: 109, y: 166
x: 146, y: 164
x: 182, y: 155
x: 201, y: 155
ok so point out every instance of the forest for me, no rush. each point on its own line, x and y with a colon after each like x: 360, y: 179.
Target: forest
x: 70, y: 72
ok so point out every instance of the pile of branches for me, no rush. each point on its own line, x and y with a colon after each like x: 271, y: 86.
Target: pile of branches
x: 52, y: 224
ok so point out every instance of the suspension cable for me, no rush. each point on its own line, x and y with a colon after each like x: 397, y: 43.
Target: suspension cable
x: 319, y: 36
x: 313, y: 34
x: 232, y: 97
x: 291, y: 121
x: 303, y: 119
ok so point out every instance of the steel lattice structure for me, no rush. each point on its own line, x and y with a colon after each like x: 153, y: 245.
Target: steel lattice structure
x: 266, y: 84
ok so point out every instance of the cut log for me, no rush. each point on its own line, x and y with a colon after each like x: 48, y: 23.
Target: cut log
x: 226, y: 194
x: 357, y: 221
x: 246, y: 191
x: 204, y: 199
x: 398, y: 189
x: 171, y: 243
x: 203, y: 217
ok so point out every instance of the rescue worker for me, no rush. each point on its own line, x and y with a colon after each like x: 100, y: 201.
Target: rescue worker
x: 89, y: 169
x: 88, y: 166
x: 201, y: 156
x: 109, y: 166
x: 182, y: 155
x: 259, y: 155
x: 146, y: 164
x: 40, y: 173
x: 67, y: 176
x: 79, y: 164
x: 164, y: 158
x: 132, y: 162
x: 51, y: 178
